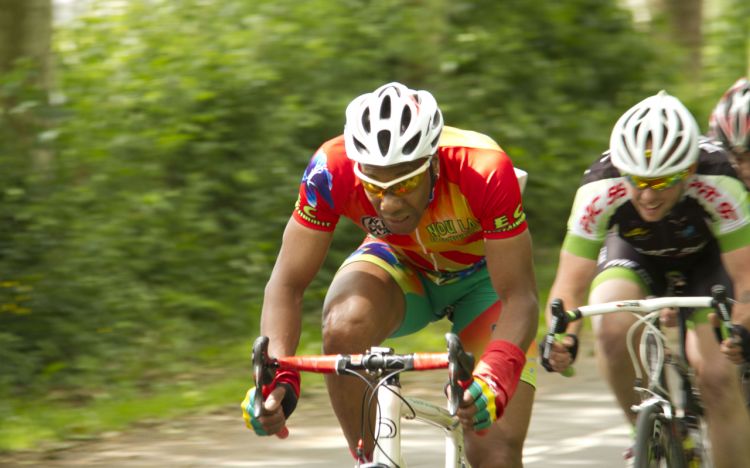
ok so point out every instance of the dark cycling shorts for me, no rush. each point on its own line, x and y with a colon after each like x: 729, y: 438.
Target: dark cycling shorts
x: 469, y: 302
x: 700, y: 271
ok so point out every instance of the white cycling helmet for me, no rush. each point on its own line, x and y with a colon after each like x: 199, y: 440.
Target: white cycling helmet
x: 730, y: 120
x: 392, y: 125
x: 654, y: 138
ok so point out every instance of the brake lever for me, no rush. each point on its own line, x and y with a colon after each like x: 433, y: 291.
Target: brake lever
x: 460, y: 368
x: 263, y: 371
x: 558, y: 325
x: 721, y: 305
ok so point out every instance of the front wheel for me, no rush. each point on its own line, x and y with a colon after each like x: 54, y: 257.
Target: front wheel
x: 657, y: 442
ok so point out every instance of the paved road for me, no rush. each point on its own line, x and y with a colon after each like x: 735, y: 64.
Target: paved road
x: 575, y: 424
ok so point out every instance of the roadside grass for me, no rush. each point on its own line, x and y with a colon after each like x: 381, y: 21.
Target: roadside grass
x: 41, y: 424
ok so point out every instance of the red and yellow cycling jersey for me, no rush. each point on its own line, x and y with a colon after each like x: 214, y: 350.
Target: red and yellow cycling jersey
x: 476, y: 197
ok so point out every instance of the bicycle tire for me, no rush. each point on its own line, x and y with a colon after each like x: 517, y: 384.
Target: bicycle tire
x: 657, y: 443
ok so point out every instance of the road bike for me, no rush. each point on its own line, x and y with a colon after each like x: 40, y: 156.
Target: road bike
x: 670, y: 430
x: 380, y: 368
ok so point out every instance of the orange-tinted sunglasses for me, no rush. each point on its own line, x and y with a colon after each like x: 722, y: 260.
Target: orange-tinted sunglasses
x: 399, y: 186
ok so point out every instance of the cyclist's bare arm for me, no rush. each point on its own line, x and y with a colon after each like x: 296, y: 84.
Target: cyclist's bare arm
x: 510, y: 265
x: 496, y: 376
x: 571, y: 285
x: 302, y: 253
x: 736, y: 262
x: 572, y: 281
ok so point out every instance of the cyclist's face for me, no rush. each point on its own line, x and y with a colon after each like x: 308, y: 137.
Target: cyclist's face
x: 653, y: 205
x: 741, y: 162
x: 401, y: 207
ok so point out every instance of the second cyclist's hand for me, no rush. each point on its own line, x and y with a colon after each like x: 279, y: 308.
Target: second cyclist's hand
x: 737, y: 346
x: 563, y: 353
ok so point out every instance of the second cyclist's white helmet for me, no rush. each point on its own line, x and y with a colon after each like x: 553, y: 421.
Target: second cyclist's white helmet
x: 654, y: 138
x: 392, y: 125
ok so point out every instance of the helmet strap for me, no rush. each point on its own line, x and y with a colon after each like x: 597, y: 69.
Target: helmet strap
x: 433, y: 180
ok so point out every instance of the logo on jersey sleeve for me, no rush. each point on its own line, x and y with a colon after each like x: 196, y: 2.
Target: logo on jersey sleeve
x: 503, y: 224
x: 318, y: 180
x: 309, y: 214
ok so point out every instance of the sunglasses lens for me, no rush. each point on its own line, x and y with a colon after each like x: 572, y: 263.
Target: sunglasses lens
x: 372, y: 188
x: 656, y: 183
x: 401, y: 188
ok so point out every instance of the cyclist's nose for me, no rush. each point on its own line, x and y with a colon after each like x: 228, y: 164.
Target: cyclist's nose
x: 391, y: 203
x: 648, y: 194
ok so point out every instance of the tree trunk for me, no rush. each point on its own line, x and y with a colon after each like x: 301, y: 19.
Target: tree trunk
x: 684, y: 20
x: 26, y: 33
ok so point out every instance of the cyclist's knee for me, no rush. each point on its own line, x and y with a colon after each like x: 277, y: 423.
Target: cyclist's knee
x: 500, y: 455
x: 501, y: 447
x: 610, y: 336
x: 714, y: 380
x: 345, y: 325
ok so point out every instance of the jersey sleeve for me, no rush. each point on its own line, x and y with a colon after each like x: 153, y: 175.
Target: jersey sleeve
x: 594, y: 205
x: 491, y: 187
x: 726, y: 200
x: 315, y: 207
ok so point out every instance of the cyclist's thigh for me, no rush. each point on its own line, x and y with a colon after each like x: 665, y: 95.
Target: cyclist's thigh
x: 622, y: 273
x: 705, y: 271
x: 373, y: 286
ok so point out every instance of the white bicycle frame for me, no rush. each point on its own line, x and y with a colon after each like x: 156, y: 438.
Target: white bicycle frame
x: 391, y: 409
x: 647, y: 308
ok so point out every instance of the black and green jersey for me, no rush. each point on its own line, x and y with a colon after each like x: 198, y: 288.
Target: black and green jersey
x: 713, y: 206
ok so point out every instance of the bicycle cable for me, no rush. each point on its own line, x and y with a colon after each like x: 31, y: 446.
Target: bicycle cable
x: 367, y: 398
x: 372, y: 393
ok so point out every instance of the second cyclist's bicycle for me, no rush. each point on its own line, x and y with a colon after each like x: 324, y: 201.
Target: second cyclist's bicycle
x: 670, y: 431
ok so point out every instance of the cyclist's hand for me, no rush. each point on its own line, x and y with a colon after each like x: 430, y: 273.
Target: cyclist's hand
x: 563, y: 353
x: 737, y: 346
x: 478, y: 408
x: 494, y: 381
x: 280, y: 400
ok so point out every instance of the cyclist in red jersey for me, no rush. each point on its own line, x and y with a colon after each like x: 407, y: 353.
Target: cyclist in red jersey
x: 730, y: 125
x: 661, y: 202
x: 446, y: 236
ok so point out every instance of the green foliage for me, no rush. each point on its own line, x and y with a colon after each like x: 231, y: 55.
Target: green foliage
x: 726, y: 54
x: 141, y: 214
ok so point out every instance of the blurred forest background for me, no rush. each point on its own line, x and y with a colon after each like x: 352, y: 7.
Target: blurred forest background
x: 150, y: 153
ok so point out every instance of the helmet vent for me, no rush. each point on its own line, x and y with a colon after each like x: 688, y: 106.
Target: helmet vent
x: 360, y: 147
x: 412, y: 143
x: 436, y: 120
x: 384, y: 141
x: 385, y: 108
x: 675, y: 150
x: 366, y: 120
x: 405, y: 119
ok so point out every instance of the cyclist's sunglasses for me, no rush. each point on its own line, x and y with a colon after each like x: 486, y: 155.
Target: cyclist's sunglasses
x: 399, y: 186
x: 656, y: 183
